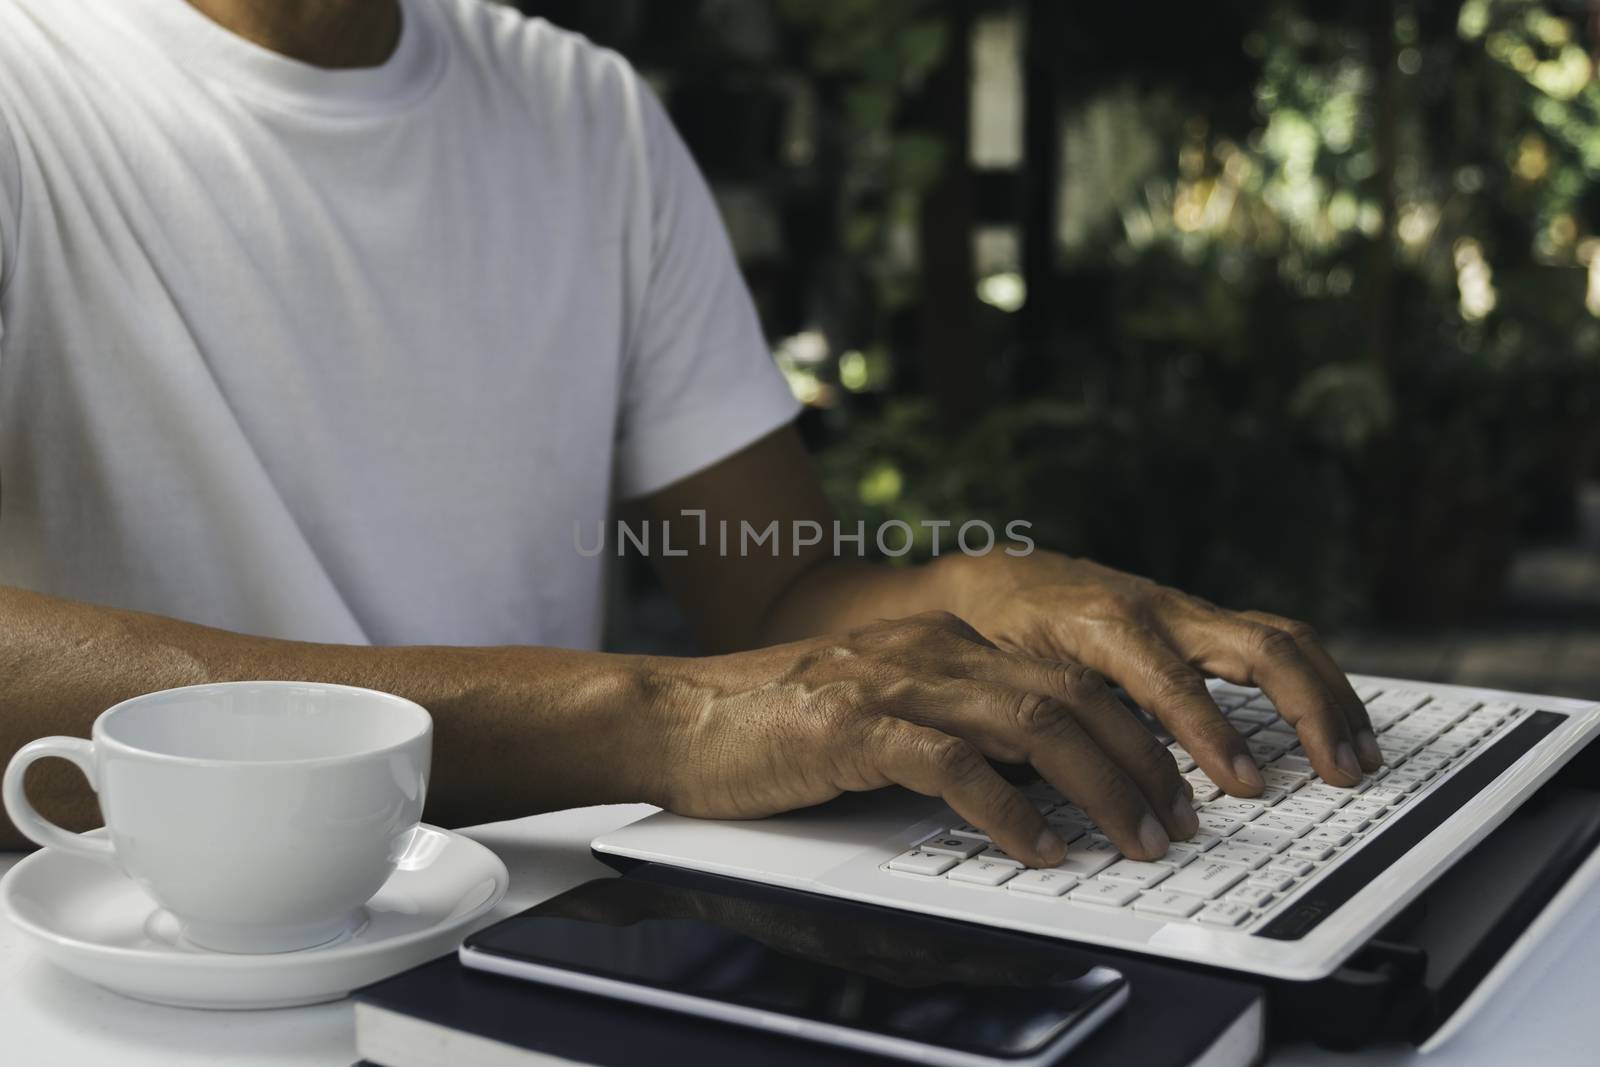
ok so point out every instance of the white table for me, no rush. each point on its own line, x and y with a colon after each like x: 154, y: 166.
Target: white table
x: 51, y: 1019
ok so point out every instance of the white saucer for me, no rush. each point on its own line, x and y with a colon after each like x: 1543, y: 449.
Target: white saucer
x: 91, y: 920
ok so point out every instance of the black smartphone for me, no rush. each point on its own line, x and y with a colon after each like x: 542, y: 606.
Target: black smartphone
x: 850, y: 975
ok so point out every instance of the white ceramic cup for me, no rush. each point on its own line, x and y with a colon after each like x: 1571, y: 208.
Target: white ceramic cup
x: 260, y: 814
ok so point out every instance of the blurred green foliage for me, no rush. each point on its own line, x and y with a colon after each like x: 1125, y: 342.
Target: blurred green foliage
x: 1313, y: 371
x: 1318, y: 331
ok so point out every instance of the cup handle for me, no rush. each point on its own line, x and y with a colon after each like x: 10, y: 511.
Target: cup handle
x: 35, y: 826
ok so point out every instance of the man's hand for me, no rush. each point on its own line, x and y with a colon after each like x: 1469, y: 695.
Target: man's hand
x: 918, y: 702
x: 1158, y: 644
x: 921, y: 700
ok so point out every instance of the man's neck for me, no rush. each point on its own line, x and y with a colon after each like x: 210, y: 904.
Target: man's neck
x: 324, y: 33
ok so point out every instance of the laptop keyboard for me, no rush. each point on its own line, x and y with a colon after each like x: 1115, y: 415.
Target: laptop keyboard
x: 1250, y: 855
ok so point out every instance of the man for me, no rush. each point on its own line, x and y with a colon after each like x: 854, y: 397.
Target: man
x: 322, y: 322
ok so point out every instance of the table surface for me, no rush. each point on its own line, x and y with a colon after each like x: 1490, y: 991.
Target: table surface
x: 51, y: 1019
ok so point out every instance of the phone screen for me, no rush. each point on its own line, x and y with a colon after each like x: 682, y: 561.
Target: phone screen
x: 897, y: 979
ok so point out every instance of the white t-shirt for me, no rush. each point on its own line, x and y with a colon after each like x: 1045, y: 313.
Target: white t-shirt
x: 344, y: 355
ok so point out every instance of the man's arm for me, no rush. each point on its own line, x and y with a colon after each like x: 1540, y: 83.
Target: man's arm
x: 1155, y: 642
x: 517, y: 730
x: 772, y: 592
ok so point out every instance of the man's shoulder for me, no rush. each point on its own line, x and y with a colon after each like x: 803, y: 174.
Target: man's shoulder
x: 538, y: 57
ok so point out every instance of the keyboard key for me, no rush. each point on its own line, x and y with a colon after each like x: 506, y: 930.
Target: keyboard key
x: 1382, y: 718
x: 1268, y: 746
x: 1280, y: 822
x: 1042, y: 883
x: 1224, y: 913
x: 1178, y: 854
x: 1424, y: 722
x: 1385, y: 794
x: 1242, y: 855
x: 1205, y: 879
x: 1219, y: 825
x: 1371, y: 807
x: 1394, y: 753
x: 1068, y: 828
x: 1272, y: 879
x: 1368, y: 693
x: 1402, y: 742
x: 1202, y: 840
x: 1089, y: 857
x: 960, y: 847
x: 1293, y: 762
x: 1411, y: 777
x: 1327, y: 836
x: 1401, y: 700
x: 1452, y: 744
x: 996, y: 854
x: 1321, y: 793
x: 1254, y: 715
x: 1237, y: 808
x: 982, y: 871
x: 1288, y: 865
x: 1351, y: 821
x: 1312, y: 851
x: 1179, y: 753
x: 1453, y: 708
x: 1136, y: 872
x: 1497, y: 710
x: 1161, y: 902
x: 968, y: 830
x: 1250, y: 895
x: 1257, y: 836
x: 1279, y: 778
x: 917, y: 861
x: 1111, y: 894
x: 1273, y: 794
x: 1295, y: 808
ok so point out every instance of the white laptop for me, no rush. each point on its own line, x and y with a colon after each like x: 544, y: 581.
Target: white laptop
x: 1287, y: 885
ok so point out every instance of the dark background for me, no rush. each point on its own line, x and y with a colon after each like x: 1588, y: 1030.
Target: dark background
x: 1291, y: 304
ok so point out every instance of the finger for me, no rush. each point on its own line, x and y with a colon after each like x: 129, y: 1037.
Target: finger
x: 1108, y: 722
x: 1131, y: 745
x: 1247, y: 652
x: 1067, y: 757
x: 934, y: 763
x: 1174, y: 692
x: 1338, y: 683
x: 1005, y: 722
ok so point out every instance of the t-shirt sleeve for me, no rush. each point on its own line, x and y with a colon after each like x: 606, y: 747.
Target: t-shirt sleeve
x: 698, y: 381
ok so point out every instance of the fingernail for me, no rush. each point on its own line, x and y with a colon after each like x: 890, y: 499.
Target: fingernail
x: 1153, y: 837
x: 1367, y: 745
x: 1245, y: 769
x: 1184, y: 820
x: 1345, y: 757
x: 1050, y: 847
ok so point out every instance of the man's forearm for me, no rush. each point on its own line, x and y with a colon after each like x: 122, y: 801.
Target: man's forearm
x: 516, y: 729
x: 835, y: 594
